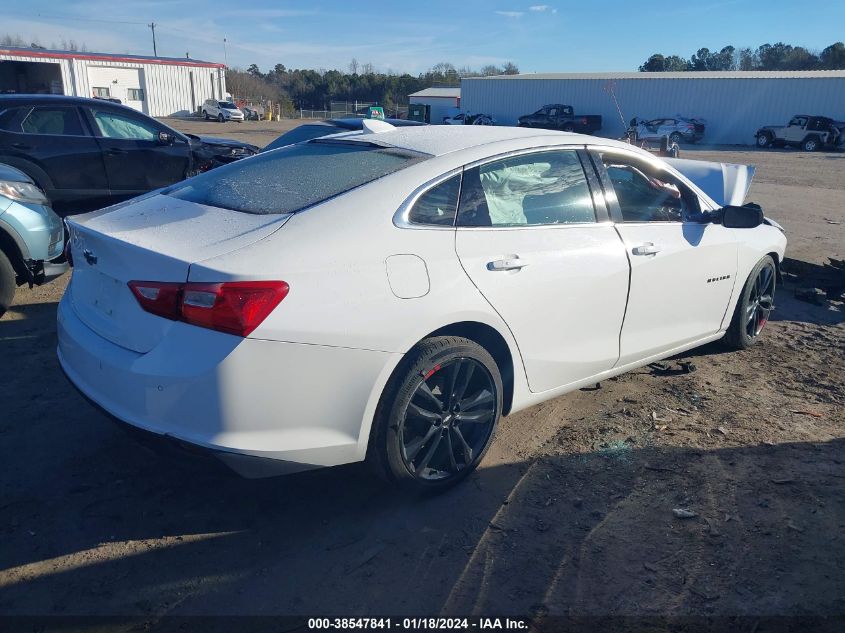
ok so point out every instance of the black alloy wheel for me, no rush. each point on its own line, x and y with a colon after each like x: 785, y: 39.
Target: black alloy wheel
x: 438, y: 414
x: 760, y: 301
x: 448, y: 420
x: 754, y: 307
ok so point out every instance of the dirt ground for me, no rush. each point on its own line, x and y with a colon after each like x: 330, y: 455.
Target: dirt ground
x: 571, y: 512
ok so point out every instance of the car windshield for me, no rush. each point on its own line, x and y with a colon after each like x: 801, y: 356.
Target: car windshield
x: 292, y: 178
x: 228, y: 105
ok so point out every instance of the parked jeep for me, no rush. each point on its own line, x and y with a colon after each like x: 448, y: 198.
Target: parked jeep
x: 810, y: 133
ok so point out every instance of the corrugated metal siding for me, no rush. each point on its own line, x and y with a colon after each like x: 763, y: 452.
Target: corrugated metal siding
x: 167, y: 87
x: 733, y: 107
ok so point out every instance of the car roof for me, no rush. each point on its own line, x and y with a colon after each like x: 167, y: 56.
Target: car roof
x: 60, y: 99
x: 438, y: 140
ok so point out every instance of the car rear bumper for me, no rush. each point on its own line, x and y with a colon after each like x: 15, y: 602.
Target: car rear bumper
x: 262, y: 407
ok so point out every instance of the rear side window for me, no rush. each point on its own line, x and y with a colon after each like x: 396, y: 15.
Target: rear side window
x: 293, y: 178
x: 542, y: 188
x: 53, y: 121
x: 8, y: 118
x: 438, y: 205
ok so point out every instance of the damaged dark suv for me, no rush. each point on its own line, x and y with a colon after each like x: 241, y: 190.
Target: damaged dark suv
x: 87, y: 153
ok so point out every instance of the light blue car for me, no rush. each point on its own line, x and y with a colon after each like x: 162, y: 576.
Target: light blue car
x: 31, y: 235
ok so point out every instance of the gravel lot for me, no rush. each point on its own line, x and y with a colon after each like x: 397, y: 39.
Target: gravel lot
x: 570, y: 513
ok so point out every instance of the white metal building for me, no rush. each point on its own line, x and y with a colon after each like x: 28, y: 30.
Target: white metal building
x: 157, y: 86
x: 733, y: 103
x: 444, y: 102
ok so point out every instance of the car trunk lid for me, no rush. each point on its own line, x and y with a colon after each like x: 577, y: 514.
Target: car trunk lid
x: 153, y: 239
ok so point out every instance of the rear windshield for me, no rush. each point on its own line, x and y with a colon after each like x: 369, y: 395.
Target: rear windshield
x: 303, y: 133
x: 292, y: 178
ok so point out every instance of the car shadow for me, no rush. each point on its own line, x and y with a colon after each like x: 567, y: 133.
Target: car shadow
x: 566, y: 534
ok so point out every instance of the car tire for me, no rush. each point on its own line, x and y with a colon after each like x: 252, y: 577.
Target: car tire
x: 220, y: 118
x: 422, y: 439
x: 205, y: 114
x: 764, y: 140
x: 754, y: 306
x: 7, y: 283
x: 675, y: 138
x: 810, y: 144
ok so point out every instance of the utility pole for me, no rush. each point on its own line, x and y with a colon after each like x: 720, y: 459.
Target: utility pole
x: 225, y: 55
x: 153, y: 27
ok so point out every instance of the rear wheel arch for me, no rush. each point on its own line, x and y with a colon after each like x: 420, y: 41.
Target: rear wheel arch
x: 491, y: 340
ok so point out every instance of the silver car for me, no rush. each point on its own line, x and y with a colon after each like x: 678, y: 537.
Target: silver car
x: 31, y: 235
x: 679, y: 129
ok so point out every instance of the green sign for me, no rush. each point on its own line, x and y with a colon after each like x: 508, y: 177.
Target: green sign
x: 375, y: 112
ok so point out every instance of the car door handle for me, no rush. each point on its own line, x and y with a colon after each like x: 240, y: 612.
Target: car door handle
x: 646, y: 249
x: 512, y: 263
x: 21, y: 146
x: 115, y: 151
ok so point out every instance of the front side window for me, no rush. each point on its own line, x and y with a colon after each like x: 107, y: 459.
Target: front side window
x: 292, y: 178
x: 52, y: 120
x: 438, y: 205
x: 114, y: 125
x: 542, y: 188
x: 646, y: 193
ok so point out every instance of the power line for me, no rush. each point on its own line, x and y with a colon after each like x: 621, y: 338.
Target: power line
x: 55, y: 16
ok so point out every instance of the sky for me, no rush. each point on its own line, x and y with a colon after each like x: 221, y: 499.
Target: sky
x: 404, y: 36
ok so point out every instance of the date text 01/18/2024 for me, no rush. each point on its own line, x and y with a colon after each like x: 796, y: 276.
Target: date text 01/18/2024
x: 419, y: 624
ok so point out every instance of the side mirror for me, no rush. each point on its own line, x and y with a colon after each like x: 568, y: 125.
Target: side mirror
x: 747, y: 216
x: 165, y: 138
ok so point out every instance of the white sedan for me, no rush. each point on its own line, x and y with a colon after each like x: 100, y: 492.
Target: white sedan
x: 389, y: 294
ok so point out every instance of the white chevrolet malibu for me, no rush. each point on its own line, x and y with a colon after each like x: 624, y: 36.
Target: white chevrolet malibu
x: 388, y: 295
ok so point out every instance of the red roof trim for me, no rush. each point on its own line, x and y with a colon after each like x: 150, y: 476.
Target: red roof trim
x: 111, y: 58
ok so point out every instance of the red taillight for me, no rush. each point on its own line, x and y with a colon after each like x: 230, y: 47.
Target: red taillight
x: 236, y: 307
x: 158, y: 297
